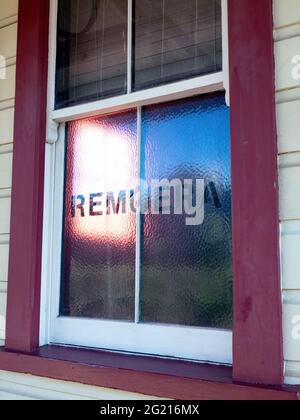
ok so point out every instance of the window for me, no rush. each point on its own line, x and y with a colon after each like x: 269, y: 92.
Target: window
x: 140, y: 179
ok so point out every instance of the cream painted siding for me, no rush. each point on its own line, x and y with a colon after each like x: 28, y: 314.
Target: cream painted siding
x: 287, y: 48
x: 8, y: 44
x: 25, y: 387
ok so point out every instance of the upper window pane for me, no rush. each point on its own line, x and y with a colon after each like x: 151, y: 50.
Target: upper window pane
x: 91, y: 50
x: 175, y: 40
x: 172, y: 40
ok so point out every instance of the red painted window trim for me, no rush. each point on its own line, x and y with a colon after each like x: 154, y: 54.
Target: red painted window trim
x: 258, y: 354
x: 24, y: 277
x: 148, y: 376
x: 258, y: 342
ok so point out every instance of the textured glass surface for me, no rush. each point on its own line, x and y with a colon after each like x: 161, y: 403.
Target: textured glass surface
x: 98, y: 266
x: 175, y: 40
x: 186, y: 271
x: 91, y: 50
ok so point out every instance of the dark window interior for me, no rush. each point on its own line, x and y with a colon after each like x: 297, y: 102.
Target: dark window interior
x: 176, y: 40
x: 91, y: 50
x: 172, y: 40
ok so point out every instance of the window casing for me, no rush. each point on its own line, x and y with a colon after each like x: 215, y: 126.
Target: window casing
x: 203, y: 344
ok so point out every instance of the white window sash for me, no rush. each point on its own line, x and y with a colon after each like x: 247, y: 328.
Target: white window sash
x: 200, y: 344
x: 166, y: 93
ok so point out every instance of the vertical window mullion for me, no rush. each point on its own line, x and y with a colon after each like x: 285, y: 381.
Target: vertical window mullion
x: 129, y: 46
x: 138, y: 220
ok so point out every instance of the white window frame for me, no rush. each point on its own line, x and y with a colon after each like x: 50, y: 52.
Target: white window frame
x: 200, y: 344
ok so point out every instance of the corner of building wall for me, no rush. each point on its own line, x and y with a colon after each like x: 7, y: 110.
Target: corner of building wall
x: 287, y: 55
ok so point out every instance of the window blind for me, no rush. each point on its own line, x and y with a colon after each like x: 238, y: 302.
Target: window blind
x: 172, y: 40
x: 176, y: 39
x: 91, y: 50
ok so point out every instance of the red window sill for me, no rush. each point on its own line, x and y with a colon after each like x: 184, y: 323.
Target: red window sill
x: 145, y: 375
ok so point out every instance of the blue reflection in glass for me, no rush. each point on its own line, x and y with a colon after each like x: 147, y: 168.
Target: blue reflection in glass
x: 187, y: 270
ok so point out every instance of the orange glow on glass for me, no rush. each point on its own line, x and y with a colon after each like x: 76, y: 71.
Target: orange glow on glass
x: 99, y: 245
x: 103, y: 162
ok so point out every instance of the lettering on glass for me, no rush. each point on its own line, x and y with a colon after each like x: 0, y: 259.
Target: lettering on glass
x: 162, y: 198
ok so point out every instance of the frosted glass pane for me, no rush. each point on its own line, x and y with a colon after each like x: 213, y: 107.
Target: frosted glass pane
x: 98, y: 267
x: 186, y: 271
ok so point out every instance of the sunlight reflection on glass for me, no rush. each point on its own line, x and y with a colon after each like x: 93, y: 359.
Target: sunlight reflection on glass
x: 99, y: 251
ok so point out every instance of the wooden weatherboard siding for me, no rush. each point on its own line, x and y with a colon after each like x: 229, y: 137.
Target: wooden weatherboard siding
x: 16, y: 386
x: 287, y: 47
